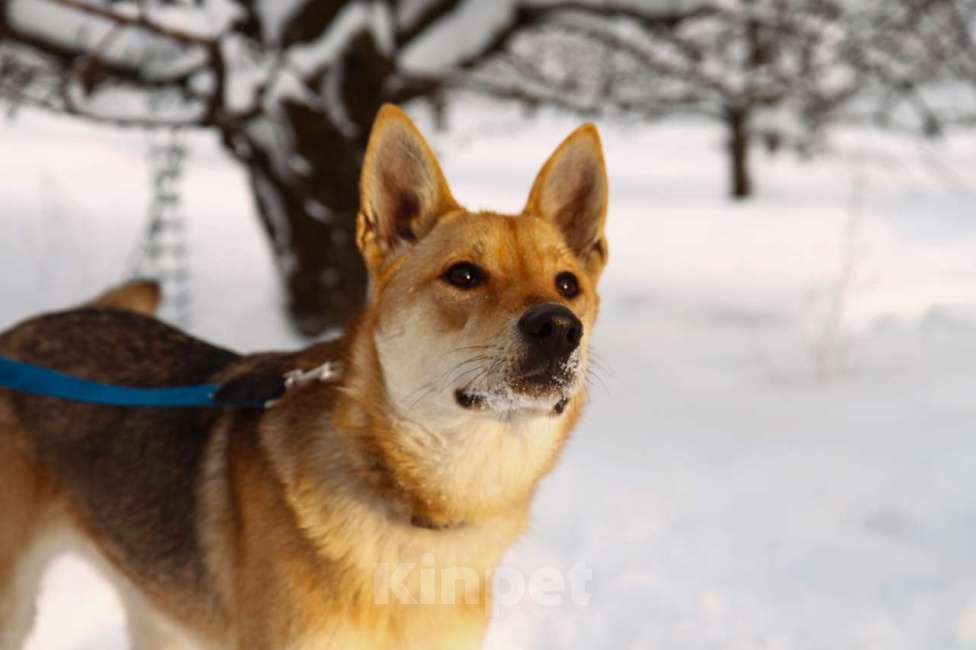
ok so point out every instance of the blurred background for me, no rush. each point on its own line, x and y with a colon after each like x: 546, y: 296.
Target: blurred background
x: 779, y: 452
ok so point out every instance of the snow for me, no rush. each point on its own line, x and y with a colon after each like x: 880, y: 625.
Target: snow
x: 325, y: 50
x: 382, y: 26
x: 210, y: 19
x: 207, y: 20
x: 717, y: 494
x: 75, y: 29
x: 275, y: 15
x: 246, y: 74
x: 460, y: 33
x: 410, y: 11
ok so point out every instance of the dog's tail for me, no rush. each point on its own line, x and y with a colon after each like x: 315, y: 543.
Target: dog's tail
x: 139, y: 296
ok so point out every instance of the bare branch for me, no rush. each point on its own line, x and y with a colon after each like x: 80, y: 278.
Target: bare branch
x: 647, y: 18
x: 91, y: 67
x: 140, y: 20
x: 430, y: 15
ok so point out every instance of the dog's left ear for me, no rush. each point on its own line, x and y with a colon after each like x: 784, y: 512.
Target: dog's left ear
x: 402, y: 188
x: 571, y: 191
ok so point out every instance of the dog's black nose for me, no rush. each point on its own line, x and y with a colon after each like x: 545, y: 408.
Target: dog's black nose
x: 551, y: 329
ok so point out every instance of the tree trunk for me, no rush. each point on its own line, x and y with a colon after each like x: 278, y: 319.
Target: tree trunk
x: 305, y: 193
x: 303, y: 163
x: 739, y: 144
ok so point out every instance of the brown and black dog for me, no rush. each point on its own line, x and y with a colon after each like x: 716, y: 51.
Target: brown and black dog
x: 289, y: 528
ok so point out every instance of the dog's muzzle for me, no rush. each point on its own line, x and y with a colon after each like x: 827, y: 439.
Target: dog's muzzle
x: 545, y: 371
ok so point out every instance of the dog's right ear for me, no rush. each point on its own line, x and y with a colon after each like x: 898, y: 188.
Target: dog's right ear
x: 402, y: 190
x: 571, y: 192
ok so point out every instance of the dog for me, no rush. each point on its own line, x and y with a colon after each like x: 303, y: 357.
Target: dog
x: 363, y: 512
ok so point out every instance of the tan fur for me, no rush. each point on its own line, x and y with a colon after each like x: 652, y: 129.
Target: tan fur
x: 139, y: 296
x: 298, y: 514
x: 22, y: 502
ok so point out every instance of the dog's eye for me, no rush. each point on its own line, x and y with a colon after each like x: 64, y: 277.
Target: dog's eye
x: 567, y: 284
x: 465, y: 275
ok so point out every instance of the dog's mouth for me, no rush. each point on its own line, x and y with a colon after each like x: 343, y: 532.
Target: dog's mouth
x: 470, y: 400
x: 532, y: 386
x: 508, y: 401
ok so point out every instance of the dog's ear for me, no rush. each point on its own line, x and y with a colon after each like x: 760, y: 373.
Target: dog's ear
x: 402, y: 188
x: 571, y: 191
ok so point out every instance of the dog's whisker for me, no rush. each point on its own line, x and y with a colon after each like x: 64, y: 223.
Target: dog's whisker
x: 447, y: 372
x: 593, y: 374
x: 599, y: 362
x: 458, y: 372
x: 486, y: 373
x: 474, y: 347
x: 449, y: 377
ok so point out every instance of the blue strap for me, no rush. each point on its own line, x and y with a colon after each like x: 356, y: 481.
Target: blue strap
x: 34, y: 380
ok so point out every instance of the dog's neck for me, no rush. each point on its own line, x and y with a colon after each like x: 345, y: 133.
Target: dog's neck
x: 440, y: 475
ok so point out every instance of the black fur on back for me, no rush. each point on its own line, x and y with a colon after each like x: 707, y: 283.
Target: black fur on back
x: 130, y: 473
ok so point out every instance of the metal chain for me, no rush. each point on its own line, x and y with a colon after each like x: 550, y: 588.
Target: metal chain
x: 163, y: 252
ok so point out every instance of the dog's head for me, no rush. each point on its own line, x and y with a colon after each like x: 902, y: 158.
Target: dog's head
x: 479, y: 314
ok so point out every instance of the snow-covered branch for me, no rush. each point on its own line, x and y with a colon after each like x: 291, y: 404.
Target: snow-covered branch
x: 291, y: 86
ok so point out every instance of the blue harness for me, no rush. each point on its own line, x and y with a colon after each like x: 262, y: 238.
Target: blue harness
x: 34, y: 380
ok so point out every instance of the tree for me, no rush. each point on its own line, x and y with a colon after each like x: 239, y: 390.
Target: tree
x: 771, y: 71
x: 290, y: 85
x: 774, y: 68
x: 921, y: 61
x: 274, y: 79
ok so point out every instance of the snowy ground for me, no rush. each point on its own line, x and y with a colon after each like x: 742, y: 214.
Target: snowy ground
x: 721, y: 494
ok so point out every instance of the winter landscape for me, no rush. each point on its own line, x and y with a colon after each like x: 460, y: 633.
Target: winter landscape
x: 779, y: 450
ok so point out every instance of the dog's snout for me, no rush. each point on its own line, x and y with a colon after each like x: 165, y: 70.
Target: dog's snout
x: 552, y: 328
